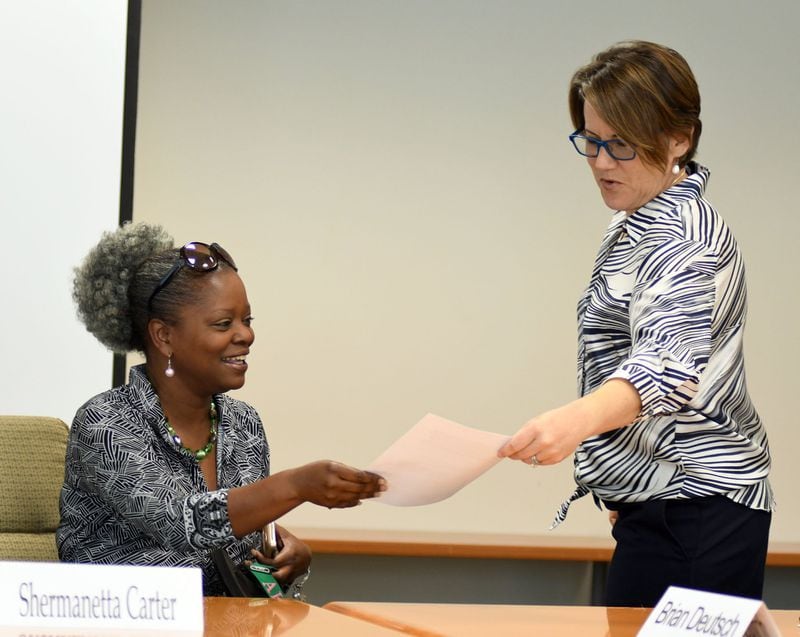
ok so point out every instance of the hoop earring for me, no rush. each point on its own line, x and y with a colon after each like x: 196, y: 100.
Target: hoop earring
x: 676, y: 169
x: 169, y: 372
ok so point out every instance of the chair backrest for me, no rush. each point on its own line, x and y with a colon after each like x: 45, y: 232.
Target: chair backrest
x: 31, y: 474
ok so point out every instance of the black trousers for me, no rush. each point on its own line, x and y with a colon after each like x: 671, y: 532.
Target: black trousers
x: 711, y: 544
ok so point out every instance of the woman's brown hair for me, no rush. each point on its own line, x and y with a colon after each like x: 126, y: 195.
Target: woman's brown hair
x: 646, y: 92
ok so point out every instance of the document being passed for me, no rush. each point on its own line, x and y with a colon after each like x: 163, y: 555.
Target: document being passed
x: 435, y: 459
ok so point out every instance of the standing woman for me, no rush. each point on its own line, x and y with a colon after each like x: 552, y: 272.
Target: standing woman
x: 665, y: 433
x: 167, y: 468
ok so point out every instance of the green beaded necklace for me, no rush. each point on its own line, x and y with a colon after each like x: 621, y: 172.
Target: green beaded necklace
x: 212, y: 437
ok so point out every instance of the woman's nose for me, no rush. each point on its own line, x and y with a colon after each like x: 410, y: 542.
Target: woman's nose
x: 245, y: 334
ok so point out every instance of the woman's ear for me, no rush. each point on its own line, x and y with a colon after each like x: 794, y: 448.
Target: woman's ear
x: 679, y: 146
x: 159, y: 333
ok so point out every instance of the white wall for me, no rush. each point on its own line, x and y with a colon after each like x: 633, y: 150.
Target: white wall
x: 395, y: 181
x: 62, y: 64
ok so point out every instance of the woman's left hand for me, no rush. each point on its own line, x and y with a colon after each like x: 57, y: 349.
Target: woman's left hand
x: 291, y: 561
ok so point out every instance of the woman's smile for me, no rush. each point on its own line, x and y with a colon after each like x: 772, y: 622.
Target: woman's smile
x: 238, y: 362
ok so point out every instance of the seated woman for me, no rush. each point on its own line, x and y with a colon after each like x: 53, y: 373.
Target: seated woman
x: 167, y: 468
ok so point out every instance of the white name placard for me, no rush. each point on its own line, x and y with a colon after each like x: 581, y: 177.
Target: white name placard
x: 94, y: 597
x: 683, y: 612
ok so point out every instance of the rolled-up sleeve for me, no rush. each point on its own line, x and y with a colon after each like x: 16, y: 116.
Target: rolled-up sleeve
x: 671, y: 312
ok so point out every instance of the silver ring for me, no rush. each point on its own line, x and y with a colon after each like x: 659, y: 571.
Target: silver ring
x: 534, y: 461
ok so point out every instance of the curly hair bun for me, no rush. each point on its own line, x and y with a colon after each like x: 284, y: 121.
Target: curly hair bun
x: 100, y: 287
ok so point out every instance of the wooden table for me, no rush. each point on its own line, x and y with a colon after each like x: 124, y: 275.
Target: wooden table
x: 470, y: 620
x: 244, y: 617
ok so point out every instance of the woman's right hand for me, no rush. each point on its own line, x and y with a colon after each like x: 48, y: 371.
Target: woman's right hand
x: 335, y: 485
x: 326, y: 483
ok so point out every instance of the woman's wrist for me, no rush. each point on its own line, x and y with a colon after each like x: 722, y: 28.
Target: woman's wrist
x: 614, y: 404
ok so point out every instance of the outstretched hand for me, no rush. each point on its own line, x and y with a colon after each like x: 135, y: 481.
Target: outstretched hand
x: 326, y: 483
x: 550, y: 437
x: 555, y: 434
x: 336, y: 485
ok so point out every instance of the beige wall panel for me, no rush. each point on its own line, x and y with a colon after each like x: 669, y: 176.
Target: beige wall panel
x: 414, y: 230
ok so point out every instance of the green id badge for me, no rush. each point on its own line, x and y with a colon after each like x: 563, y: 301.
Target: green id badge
x: 263, y: 574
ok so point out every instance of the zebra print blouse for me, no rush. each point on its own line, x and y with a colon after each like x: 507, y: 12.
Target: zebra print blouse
x: 665, y: 309
x: 131, y: 497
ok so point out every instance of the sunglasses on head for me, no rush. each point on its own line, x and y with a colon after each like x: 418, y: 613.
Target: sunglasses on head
x: 197, y: 256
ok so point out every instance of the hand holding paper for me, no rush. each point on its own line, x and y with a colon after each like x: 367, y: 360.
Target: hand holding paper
x: 434, y: 460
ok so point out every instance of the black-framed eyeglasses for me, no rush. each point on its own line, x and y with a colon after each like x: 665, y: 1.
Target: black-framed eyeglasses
x: 590, y: 146
x: 197, y: 256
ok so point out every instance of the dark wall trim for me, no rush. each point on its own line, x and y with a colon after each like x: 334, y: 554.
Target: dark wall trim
x: 128, y: 139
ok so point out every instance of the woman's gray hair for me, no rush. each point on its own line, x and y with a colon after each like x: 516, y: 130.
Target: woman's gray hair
x: 104, y: 281
x: 113, y: 286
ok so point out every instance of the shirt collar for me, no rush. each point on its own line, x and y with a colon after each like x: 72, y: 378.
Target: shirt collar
x: 145, y: 395
x: 692, y: 187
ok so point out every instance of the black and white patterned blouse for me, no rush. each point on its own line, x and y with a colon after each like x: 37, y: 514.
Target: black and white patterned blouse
x: 665, y: 309
x: 131, y: 497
